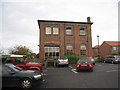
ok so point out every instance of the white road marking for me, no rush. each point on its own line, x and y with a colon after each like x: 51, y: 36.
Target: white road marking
x: 74, y: 70
x: 112, y: 71
x: 70, y: 66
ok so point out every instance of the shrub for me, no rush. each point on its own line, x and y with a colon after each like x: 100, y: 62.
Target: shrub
x: 73, y: 58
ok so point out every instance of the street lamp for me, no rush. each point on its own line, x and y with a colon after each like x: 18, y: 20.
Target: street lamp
x: 98, y: 48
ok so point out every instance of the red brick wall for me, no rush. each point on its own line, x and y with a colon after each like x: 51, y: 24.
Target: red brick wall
x: 95, y: 52
x: 105, y: 50
x: 62, y: 39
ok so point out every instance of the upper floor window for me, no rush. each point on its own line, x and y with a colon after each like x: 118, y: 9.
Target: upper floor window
x: 114, y: 48
x: 69, y: 48
x: 55, y: 29
x: 68, y: 30
x: 48, y: 30
x: 82, y: 31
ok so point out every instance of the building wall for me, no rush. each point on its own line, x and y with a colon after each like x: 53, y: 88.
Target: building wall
x: 105, y: 50
x: 95, y: 52
x: 62, y: 39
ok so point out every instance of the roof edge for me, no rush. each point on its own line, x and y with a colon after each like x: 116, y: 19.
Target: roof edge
x: 65, y: 21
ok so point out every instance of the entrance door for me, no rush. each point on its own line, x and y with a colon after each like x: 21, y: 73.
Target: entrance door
x: 51, y: 52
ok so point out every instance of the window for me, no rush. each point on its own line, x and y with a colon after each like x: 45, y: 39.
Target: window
x: 83, y: 49
x: 69, y: 48
x: 51, y: 52
x: 114, y: 48
x: 55, y: 29
x: 8, y: 60
x: 68, y: 30
x: 48, y: 30
x: 19, y: 60
x: 82, y: 31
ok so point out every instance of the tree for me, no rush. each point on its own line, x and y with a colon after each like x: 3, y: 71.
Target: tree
x: 22, y: 50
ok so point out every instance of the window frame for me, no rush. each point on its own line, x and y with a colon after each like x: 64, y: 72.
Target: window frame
x: 53, y: 28
x: 67, y: 50
x: 83, y: 52
x: 82, y: 31
x: 46, y: 30
x: 69, y: 30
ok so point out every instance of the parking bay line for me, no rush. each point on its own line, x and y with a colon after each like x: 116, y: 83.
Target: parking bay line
x: 112, y: 71
x: 74, y: 70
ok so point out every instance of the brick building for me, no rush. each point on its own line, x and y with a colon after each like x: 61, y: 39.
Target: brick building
x: 95, y: 51
x: 60, y: 37
x: 109, y: 47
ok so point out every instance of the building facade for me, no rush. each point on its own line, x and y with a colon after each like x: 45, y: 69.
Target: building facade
x: 60, y: 37
x: 109, y: 48
x: 95, y: 51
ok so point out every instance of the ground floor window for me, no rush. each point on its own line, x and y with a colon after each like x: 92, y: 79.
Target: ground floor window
x: 69, y: 48
x: 83, y: 49
x: 51, y: 52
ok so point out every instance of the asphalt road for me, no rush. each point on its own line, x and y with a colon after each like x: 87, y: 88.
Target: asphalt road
x: 105, y: 75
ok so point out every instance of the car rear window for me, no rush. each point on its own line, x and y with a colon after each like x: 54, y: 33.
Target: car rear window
x: 62, y: 58
x: 84, y: 61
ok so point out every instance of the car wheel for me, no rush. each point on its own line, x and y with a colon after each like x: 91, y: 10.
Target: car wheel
x: 26, y: 83
x: 67, y: 65
x: 77, y: 69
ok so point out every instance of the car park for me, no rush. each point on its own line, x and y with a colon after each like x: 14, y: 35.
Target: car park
x: 20, y: 61
x: 62, y: 60
x: 112, y: 59
x: 14, y: 76
x: 84, y: 64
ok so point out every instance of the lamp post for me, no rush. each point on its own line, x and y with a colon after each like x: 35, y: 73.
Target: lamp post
x: 98, y: 48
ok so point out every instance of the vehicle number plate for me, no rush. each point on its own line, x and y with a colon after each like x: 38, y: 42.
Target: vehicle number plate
x: 84, y: 65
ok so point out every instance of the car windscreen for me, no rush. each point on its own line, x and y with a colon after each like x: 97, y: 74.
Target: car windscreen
x: 13, y: 67
x: 117, y: 57
x: 84, y: 61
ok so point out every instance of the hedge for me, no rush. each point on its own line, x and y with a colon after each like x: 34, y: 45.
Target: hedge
x: 73, y: 58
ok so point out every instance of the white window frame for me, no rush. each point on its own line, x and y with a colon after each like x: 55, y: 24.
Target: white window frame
x: 82, y: 31
x: 69, y: 30
x: 55, y: 30
x: 48, y: 30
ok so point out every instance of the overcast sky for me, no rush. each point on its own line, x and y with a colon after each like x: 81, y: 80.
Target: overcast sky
x: 19, y: 26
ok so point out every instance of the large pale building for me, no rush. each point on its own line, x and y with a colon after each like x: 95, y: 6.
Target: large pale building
x: 59, y: 37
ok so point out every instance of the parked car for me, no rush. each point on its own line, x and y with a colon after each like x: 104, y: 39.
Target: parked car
x: 14, y: 76
x: 84, y: 64
x: 62, y: 60
x: 20, y: 61
x: 112, y: 59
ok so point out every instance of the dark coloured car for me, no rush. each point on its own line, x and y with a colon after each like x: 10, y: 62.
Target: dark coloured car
x: 13, y: 76
x: 112, y: 59
x: 62, y: 61
x: 84, y: 64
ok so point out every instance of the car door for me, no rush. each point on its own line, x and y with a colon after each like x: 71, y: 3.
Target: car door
x: 9, y: 77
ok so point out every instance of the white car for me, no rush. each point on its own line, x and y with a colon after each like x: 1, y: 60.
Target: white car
x: 62, y: 61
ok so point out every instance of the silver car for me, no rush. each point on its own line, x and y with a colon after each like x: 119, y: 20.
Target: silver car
x: 62, y: 61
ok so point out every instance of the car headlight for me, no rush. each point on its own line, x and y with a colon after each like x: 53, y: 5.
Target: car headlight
x: 37, y: 76
x: 116, y: 60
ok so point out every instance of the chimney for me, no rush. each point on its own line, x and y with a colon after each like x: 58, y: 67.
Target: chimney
x: 88, y: 19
